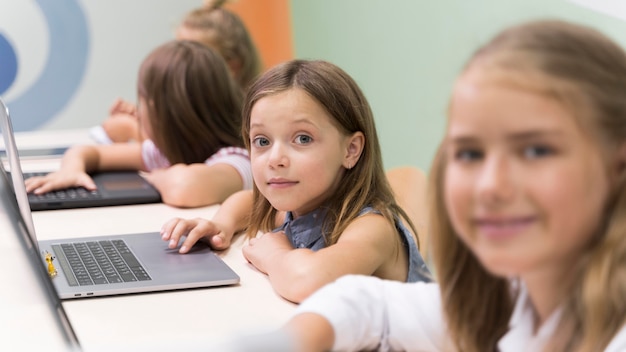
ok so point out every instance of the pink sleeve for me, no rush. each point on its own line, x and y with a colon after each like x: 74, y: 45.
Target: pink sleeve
x: 236, y: 157
x: 152, y: 157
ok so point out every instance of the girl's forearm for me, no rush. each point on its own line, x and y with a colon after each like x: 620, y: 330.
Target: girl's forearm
x: 80, y: 158
x: 234, y: 211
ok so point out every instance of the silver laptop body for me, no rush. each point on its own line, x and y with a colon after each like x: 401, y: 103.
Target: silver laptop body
x: 32, y: 316
x: 155, y: 268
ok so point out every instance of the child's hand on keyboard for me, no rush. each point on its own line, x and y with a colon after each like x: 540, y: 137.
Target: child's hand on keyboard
x: 58, y: 180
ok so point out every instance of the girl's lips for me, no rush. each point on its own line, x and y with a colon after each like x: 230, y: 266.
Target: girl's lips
x: 280, y: 183
x: 504, y: 228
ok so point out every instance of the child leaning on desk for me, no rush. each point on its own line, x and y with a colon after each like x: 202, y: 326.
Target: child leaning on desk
x: 211, y: 25
x: 321, y: 198
x: 190, y: 109
x: 528, y: 214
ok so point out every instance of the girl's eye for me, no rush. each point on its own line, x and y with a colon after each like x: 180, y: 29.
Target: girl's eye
x: 537, y: 151
x: 303, y: 139
x: 260, y: 142
x: 468, y: 155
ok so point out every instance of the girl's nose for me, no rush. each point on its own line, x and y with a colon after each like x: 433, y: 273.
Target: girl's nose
x: 278, y: 157
x: 495, y: 184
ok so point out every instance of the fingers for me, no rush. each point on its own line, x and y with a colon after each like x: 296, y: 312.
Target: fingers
x: 220, y: 241
x: 176, y: 229
x: 32, y: 183
x: 127, y: 108
x: 86, y: 181
x: 122, y: 106
x: 168, y: 227
x: 115, y: 107
x: 193, y: 230
x: 207, y: 231
x: 42, y: 187
x: 253, y: 257
x: 55, y: 181
x: 254, y: 240
x: 247, y: 252
x: 173, y: 230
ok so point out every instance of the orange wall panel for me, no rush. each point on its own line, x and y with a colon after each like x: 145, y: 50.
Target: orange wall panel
x: 269, y: 23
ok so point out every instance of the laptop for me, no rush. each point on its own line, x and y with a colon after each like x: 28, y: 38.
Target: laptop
x: 38, y: 153
x: 115, y: 264
x: 113, y: 188
x: 33, y: 317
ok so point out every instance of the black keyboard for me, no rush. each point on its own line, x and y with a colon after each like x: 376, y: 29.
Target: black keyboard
x: 62, y: 194
x: 99, y: 262
x: 65, y: 194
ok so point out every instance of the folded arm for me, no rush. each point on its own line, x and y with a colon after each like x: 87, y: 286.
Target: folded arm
x: 195, y: 185
x: 366, y: 247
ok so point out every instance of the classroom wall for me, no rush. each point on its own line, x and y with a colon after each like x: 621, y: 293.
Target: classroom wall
x: 269, y: 24
x: 405, y: 54
x: 63, y: 62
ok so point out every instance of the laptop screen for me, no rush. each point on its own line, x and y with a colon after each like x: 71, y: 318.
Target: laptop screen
x: 16, y: 170
x: 32, y: 314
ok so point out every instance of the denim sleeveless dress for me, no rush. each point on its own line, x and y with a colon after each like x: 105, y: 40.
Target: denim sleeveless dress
x: 306, y: 232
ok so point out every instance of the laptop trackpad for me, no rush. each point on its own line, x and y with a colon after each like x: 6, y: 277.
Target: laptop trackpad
x: 120, y: 182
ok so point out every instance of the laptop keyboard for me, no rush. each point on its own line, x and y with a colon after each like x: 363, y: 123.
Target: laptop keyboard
x: 99, y: 262
x: 62, y: 194
x: 65, y: 194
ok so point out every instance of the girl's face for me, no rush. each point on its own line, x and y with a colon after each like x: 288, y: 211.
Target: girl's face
x: 524, y: 185
x: 297, y: 153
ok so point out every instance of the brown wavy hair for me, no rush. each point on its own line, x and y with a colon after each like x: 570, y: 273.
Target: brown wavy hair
x: 194, y: 105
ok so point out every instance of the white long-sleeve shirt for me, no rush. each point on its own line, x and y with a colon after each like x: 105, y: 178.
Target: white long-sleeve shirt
x: 369, y: 313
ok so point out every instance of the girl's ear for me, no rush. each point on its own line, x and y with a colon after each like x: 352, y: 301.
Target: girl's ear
x: 356, y: 143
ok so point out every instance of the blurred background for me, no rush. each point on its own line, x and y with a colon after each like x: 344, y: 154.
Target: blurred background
x: 63, y: 62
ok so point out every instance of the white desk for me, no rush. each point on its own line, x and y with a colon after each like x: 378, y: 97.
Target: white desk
x: 190, y: 314
x: 52, y: 138
x: 42, y: 140
x: 164, y: 318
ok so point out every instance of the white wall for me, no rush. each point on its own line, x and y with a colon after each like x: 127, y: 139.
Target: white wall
x: 404, y: 54
x: 74, y: 57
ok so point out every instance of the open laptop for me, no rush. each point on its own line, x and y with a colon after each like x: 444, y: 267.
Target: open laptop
x: 38, y: 153
x: 141, y: 262
x: 113, y: 187
x: 33, y: 317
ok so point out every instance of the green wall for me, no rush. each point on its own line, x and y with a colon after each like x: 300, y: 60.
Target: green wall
x: 405, y: 55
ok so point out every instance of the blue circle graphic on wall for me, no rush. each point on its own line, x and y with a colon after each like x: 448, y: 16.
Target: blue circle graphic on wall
x: 9, y: 64
x: 63, y: 70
